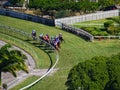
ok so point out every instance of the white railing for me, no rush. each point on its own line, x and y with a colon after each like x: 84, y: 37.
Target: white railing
x: 33, y: 83
x: 87, y: 17
x: 57, y: 59
x: 56, y: 54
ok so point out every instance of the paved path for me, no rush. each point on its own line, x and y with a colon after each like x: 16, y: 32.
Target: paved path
x: 21, y: 76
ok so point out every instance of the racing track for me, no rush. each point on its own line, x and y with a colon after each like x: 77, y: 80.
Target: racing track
x: 45, y: 74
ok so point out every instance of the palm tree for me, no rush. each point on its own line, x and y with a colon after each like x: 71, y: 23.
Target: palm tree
x: 11, y: 60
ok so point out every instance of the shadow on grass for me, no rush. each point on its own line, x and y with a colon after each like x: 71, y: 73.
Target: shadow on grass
x: 36, y: 43
x: 44, y: 47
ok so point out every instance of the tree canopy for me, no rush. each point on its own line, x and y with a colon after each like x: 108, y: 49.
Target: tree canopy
x: 11, y: 60
x: 99, y: 73
x: 55, y: 6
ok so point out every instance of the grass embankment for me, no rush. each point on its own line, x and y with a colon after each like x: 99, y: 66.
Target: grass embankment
x: 73, y: 51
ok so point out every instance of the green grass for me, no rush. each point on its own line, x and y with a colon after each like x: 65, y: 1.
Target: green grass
x: 95, y: 23
x: 73, y: 51
x: 26, y: 82
x: 41, y: 58
x: 96, y: 27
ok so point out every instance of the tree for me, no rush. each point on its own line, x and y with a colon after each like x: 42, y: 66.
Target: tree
x: 113, y: 65
x: 108, y: 24
x: 11, y: 60
x: 90, y: 75
x: 53, y: 6
x: 99, y: 73
x: 105, y: 3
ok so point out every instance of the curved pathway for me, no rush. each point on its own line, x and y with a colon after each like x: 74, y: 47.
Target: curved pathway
x: 11, y: 81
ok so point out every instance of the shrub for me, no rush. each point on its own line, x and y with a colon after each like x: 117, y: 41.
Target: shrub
x: 113, y: 30
x: 99, y: 73
x: 107, y: 24
x: 62, y: 13
x: 88, y: 29
x: 103, y: 33
x: 95, y: 31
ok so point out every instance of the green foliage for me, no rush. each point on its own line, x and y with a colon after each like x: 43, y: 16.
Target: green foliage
x: 105, y: 27
x: 99, y: 73
x: 113, y: 30
x: 73, y: 51
x: 103, y: 33
x: 113, y: 65
x: 82, y: 6
x: 62, y: 13
x: 107, y: 24
x: 105, y: 3
x: 95, y: 31
x: 61, y: 5
x: 11, y: 60
x: 110, y: 28
x: 116, y: 19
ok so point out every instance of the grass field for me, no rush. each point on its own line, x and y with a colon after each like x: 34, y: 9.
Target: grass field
x: 36, y: 53
x: 95, y: 23
x: 96, y: 27
x: 73, y: 51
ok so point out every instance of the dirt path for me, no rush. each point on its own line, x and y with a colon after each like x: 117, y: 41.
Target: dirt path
x: 11, y: 81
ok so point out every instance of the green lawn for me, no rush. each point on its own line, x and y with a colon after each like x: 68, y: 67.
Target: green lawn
x: 96, y: 27
x: 41, y: 58
x: 95, y: 23
x: 73, y: 51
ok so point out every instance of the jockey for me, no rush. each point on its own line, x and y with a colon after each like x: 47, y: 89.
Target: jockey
x: 41, y: 36
x: 46, y: 38
x: 61, y: 37
x: 34, y: 34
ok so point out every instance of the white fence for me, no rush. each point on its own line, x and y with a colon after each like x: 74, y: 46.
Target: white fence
x: 87, y: 17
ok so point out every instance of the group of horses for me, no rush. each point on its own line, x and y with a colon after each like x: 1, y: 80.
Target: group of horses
x: 53, y: 40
